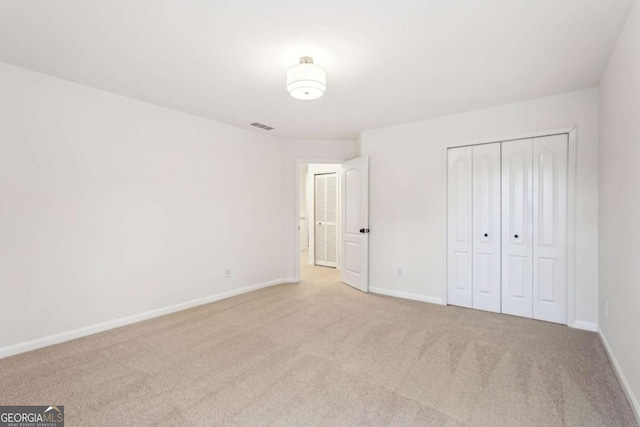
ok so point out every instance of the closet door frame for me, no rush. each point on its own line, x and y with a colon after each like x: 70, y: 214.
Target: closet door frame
x: 571, y: 208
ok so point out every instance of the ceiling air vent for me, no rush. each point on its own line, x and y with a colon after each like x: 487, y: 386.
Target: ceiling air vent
x: 261, y: 126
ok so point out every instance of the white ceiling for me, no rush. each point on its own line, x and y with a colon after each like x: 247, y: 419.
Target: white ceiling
x: 388, y: 61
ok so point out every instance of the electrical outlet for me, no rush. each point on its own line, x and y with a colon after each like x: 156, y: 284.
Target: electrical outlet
x: 399, y: 272
x: 227, y: 273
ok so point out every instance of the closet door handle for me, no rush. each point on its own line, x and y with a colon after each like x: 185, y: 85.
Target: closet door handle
x: 516, y: 236
x: 486, y: 235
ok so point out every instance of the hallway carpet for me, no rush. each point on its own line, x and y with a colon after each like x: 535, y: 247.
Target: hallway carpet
x: 321, y: 353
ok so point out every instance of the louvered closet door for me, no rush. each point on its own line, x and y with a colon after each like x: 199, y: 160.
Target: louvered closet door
x: 326, y: 217
x: 459, y: 227
x: 486, y: 227
x: 517, y: 233
x: 550, y: 228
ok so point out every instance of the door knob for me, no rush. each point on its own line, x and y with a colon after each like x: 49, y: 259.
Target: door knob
x: 486, y: 235
x: 364, y: 230
x: 516, y: 236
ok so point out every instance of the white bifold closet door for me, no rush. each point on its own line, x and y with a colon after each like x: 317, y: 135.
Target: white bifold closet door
x: 517, y: 230
x: 326, y: 219
x: 550, y: 174
x: 507, y: 227
x: 474, y: 227
x: 459, y: 227
x: 486, y: 227
x: 534, y: 228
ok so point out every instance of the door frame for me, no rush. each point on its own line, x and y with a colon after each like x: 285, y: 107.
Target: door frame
x: 572, y: 132
x: 315, y: 169
x: 296, y: 206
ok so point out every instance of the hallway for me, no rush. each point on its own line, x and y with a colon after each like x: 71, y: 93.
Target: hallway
x: 313, y: 273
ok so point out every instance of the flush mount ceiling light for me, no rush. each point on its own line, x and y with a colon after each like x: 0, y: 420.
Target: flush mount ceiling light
x: 306, y: 80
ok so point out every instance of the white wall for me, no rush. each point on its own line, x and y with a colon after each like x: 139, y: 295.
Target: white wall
x: 110, y: 207
x: 620, y: 205
x: 305, y: 150
x: 408, y: 192
x: 113, y: 210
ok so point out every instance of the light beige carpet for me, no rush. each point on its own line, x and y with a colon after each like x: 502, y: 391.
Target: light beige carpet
x: 321, y: 353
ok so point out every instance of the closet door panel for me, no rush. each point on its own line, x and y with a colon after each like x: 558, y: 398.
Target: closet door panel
x: 517, y: 232
x: 326, y: 214
x: 332, y: 220
x: 320, y: 200
x: 550, y: 170
x: 459, y: 227
x: 486, y: 227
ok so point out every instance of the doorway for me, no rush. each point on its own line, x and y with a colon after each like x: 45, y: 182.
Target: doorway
x: 351, y: 253
x: 319, y: 220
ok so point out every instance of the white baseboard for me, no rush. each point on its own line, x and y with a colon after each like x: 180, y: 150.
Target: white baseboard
x: 633, y: 401
x: 290, y: 280
x: 112, y: 324
x: 406, y: 295
x: 585, y: 326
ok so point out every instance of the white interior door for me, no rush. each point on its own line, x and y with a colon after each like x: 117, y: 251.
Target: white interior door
x: 355, y: 224
x: 550, y: 228
x: 326, y: 219
x: 486, y: 227
x: 459, y: 227
x: 517, y: 233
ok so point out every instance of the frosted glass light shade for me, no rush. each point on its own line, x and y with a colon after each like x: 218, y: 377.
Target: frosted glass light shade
x: 306, y: 80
